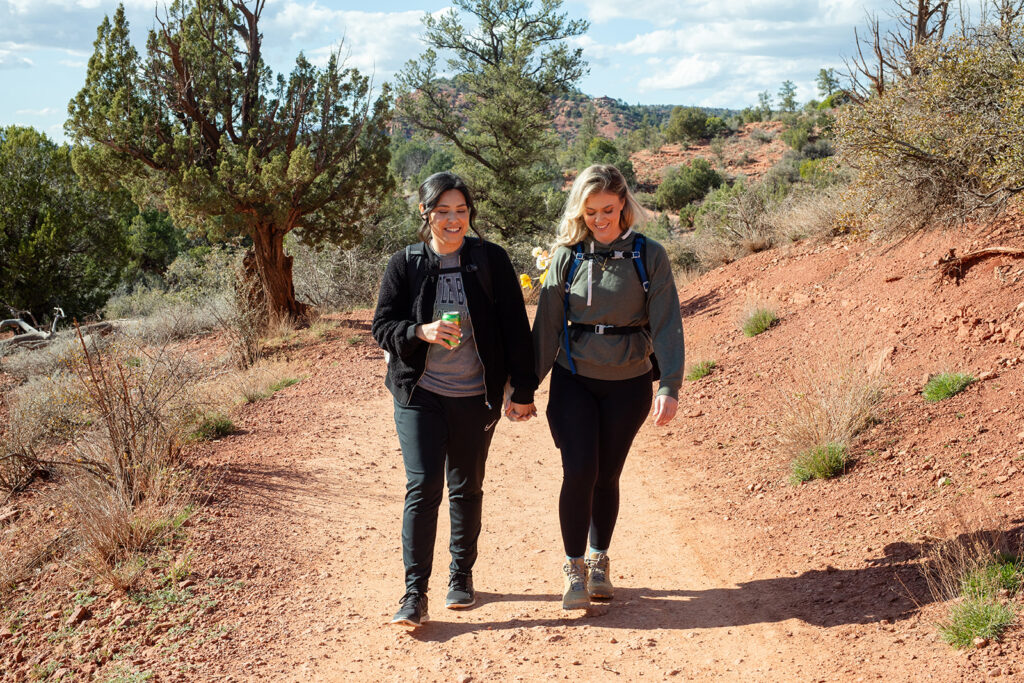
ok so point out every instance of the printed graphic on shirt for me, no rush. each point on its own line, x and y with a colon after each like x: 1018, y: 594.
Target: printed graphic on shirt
x: 453, y: 372
x: 450, y: 293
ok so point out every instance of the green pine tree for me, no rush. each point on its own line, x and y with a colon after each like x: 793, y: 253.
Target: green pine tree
x: 201, y: 127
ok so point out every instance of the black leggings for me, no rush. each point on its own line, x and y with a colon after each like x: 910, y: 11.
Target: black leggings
x: 593, y: 422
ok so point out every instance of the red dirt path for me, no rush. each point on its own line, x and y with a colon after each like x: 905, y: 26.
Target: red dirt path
x: 724, y: 571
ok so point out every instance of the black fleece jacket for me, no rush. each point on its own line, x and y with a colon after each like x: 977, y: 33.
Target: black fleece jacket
x: 501, y: 328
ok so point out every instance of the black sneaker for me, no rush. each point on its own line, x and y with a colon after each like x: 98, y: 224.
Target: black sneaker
x: 413, y: 611
x: 460, y: 591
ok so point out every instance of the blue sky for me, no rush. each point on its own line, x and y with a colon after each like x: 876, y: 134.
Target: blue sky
x: 703, y: 52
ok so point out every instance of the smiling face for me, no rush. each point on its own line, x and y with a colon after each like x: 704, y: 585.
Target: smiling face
x: 449, y: 221
x: 602, y: 212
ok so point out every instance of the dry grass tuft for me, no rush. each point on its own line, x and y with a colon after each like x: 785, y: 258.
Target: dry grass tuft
x: 807, y: 215
x: 834, y: 397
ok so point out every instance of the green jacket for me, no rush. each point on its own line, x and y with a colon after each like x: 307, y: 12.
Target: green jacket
x: 616, y: 298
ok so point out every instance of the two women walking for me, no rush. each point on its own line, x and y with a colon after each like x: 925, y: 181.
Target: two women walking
x: 608, y: 301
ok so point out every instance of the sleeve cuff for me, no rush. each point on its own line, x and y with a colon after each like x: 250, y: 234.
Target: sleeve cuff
x: 522, y: 396
x: 668, y: 391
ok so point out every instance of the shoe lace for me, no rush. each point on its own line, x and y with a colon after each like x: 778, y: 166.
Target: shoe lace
x: 598, y: 568
x: 409, y: 600
x: 577, y: 576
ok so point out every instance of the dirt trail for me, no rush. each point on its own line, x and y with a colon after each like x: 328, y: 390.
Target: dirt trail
x: 309, y: 511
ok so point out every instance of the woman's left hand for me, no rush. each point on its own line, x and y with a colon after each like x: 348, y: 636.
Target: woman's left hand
x: 664, y: 409
x: 520, y: 412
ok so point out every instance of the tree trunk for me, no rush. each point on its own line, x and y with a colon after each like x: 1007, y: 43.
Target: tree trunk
x: 275, y: 271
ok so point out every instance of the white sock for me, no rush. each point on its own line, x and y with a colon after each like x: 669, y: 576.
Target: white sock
x: 594, y: 551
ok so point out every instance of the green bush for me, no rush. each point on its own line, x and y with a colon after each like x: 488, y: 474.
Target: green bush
x: 758, y: 321
x: 604, y: 151
x: 686, y: 123
x: 213, y: 426
x: 284, y: 383
x: 714, y: 126
x: 820, y: 462
x: 647, y: 200
x: 986, y: 581
x: 701, y: 370
x: 975, y: 618
x: 945, y: 385
x: 687, y: 184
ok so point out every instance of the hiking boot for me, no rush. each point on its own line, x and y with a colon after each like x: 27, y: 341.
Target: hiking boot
x: 599, y: 585
x: 413, y: 611
x: 574, y: 592
x: 460, y: 591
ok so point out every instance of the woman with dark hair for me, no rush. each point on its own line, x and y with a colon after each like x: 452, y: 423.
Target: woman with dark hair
x: 451, y: 317
x: 608, y: 301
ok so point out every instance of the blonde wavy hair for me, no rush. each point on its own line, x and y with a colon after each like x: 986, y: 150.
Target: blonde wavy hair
x: 572, y: 229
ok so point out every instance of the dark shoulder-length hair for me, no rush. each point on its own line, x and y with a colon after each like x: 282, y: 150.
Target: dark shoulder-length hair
x: 430, y: 193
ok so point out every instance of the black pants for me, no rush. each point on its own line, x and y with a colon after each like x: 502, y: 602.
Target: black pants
x: 442, y: 436
x: 593, y: 423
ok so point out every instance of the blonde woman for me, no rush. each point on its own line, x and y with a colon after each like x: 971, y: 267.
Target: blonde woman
x: 609, y: 300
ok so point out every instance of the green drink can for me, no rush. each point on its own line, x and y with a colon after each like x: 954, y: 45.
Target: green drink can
x: 451, y: 317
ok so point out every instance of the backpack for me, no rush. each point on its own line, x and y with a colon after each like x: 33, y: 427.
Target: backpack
x: 479, y: 263
x: 639, y: 257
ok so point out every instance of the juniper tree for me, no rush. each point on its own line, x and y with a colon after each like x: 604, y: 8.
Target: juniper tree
x: 497, y: 112
x: 201, y: 126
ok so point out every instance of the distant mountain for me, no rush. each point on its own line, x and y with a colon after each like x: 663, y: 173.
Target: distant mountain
x: 613, y: 117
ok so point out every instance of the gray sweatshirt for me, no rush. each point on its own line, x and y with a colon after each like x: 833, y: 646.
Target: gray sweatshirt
x: 608, y: 292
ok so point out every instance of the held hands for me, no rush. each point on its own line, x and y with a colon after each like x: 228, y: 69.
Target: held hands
x: 664, y: 409
x: 520, y: 412
x: 441, y: 332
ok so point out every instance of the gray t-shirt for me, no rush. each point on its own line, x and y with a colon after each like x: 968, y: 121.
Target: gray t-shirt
x: 453, y: 372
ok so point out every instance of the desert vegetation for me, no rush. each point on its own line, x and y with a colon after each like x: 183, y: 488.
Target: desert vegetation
x: 216, y: 248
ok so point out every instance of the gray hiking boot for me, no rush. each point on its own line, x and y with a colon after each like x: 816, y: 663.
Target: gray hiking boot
x: 599, y: 583
x: 574, y: 591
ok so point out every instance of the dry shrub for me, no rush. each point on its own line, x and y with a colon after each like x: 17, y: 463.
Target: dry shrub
x: 49, y: 359
x: 179, y: 321
x: 128, y: 475
x: 245, y: 319
x: 110, y: 526
x: 807, y: 215
x: 960, y: 547
x: 336, y: 279
x: 833, y: 398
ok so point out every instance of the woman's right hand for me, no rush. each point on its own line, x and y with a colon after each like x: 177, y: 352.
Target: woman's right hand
x: 441, y: 332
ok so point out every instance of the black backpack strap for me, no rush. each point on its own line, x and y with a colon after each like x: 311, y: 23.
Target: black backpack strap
x: 480, y: 263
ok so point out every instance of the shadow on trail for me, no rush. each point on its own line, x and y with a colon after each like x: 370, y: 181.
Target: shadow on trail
x: 270, y: 487
x: 889, y: 587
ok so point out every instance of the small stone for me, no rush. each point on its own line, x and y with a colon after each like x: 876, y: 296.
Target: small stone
x: 6, y: 633
x: 464, y: 678
x: 555, y: 638
x: 612, y: 640
x: 187, y: 583
x: 988, y: 374
x: 55, y: 614
x: 673, y: 672
x: 1001, y: 479
x: 980, y: 642
x: 995, y: 671
x: 945, y: 481
x: 80, y: 614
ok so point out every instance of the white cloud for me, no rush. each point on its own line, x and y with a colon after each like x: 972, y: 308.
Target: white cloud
x: 45, y: 111
x: 11, y: 56
x: 681, y: 73
x: 377, y: 42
